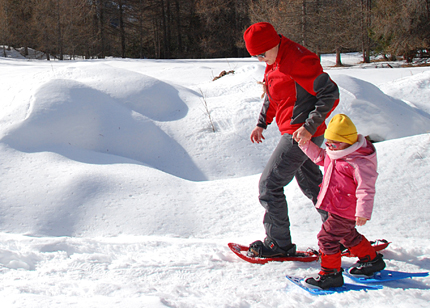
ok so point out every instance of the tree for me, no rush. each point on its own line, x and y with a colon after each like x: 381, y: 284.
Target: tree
x: 366, y: 14
x: 223, y: 23
x: 4, y: 28
x: 285, y: 16
x: 211, y: 28
x: 339, y: 26
x: 141, y: 14
x: 403, y: 28
x: 18, y: 30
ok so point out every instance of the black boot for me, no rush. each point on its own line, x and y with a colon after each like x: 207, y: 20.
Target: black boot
x: 366, y: 268
x: 326, y: 279
x: 269, y: 249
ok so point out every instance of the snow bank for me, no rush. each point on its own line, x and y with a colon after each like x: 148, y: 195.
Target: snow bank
x: 376, y: 114
x: 116, y: 193
x: 412, y: 90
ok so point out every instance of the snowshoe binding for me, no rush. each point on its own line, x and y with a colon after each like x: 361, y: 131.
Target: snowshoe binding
x: 366, y: 268
x: 270, y: 249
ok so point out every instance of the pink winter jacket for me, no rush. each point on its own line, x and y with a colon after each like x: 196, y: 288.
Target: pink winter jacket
x: 348, y: 186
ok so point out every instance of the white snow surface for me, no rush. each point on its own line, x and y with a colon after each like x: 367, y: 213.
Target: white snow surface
x: 116, y: 192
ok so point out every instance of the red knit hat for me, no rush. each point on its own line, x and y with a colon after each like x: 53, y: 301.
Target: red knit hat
x: 260, y: 37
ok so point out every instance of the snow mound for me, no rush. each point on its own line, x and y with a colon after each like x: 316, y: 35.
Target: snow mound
x: 377, y: 114
x: 12, y: 53
x: 67, y: 114
x: 149, y: 96
x: 411, y: 89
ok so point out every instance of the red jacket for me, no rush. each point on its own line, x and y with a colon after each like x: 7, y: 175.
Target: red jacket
x: 298, y: 91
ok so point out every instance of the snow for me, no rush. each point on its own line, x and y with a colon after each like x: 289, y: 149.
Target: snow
x: 115, y: 191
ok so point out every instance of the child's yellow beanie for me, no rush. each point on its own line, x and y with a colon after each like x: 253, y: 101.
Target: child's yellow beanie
x: 341, y: 129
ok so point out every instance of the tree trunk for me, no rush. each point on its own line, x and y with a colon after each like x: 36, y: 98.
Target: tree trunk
x: 178, y: 27
x: 101, y: 10
x: 121, y: 27
x: 338, y: 59
x: 428, y: 8
x: 141, y: 29
x: 165, y: 30
x: 168, y: 36
x: 59, y: 33
x: 304, y: 23
x: 157, y: 43
x: 365, y: 25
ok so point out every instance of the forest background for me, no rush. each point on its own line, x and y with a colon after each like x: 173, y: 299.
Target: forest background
x: 169, y: 29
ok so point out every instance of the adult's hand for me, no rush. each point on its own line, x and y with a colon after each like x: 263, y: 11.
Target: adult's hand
x: 257, y: 135
x: 302, y: 136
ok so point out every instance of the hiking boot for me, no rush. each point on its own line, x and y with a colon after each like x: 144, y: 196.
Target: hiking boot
x: 365, y: 268
x: 325, y: 280
x: 269, y: 249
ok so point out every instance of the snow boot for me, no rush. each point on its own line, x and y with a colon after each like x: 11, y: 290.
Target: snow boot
x: 269, y: 249
x: 369, y: 261
x: 366, y: 268
x: 330, y: 275
x: 327, y: 278
x: 363, y: 250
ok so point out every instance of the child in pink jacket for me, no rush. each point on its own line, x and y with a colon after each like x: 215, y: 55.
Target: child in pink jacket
x: 347, y: 194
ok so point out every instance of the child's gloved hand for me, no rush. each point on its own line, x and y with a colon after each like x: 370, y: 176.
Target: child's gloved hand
x: 360, y: 221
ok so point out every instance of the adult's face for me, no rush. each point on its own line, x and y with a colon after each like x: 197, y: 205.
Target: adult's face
x: 269, y: 56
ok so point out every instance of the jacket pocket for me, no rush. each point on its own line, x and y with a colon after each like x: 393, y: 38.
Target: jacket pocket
x: 344, y: 200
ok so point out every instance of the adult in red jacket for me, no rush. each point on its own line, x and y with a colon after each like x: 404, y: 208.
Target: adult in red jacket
x: 300, y: 95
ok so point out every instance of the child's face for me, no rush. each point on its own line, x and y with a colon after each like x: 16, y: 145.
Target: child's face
x: 335, y: 145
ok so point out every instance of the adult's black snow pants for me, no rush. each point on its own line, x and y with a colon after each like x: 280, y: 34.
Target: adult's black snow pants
x: 287, y: 161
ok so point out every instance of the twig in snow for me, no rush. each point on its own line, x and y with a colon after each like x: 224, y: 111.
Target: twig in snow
x: 205, y: 104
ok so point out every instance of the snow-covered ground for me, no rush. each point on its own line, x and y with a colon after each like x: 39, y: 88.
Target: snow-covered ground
x: 115, y: 191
